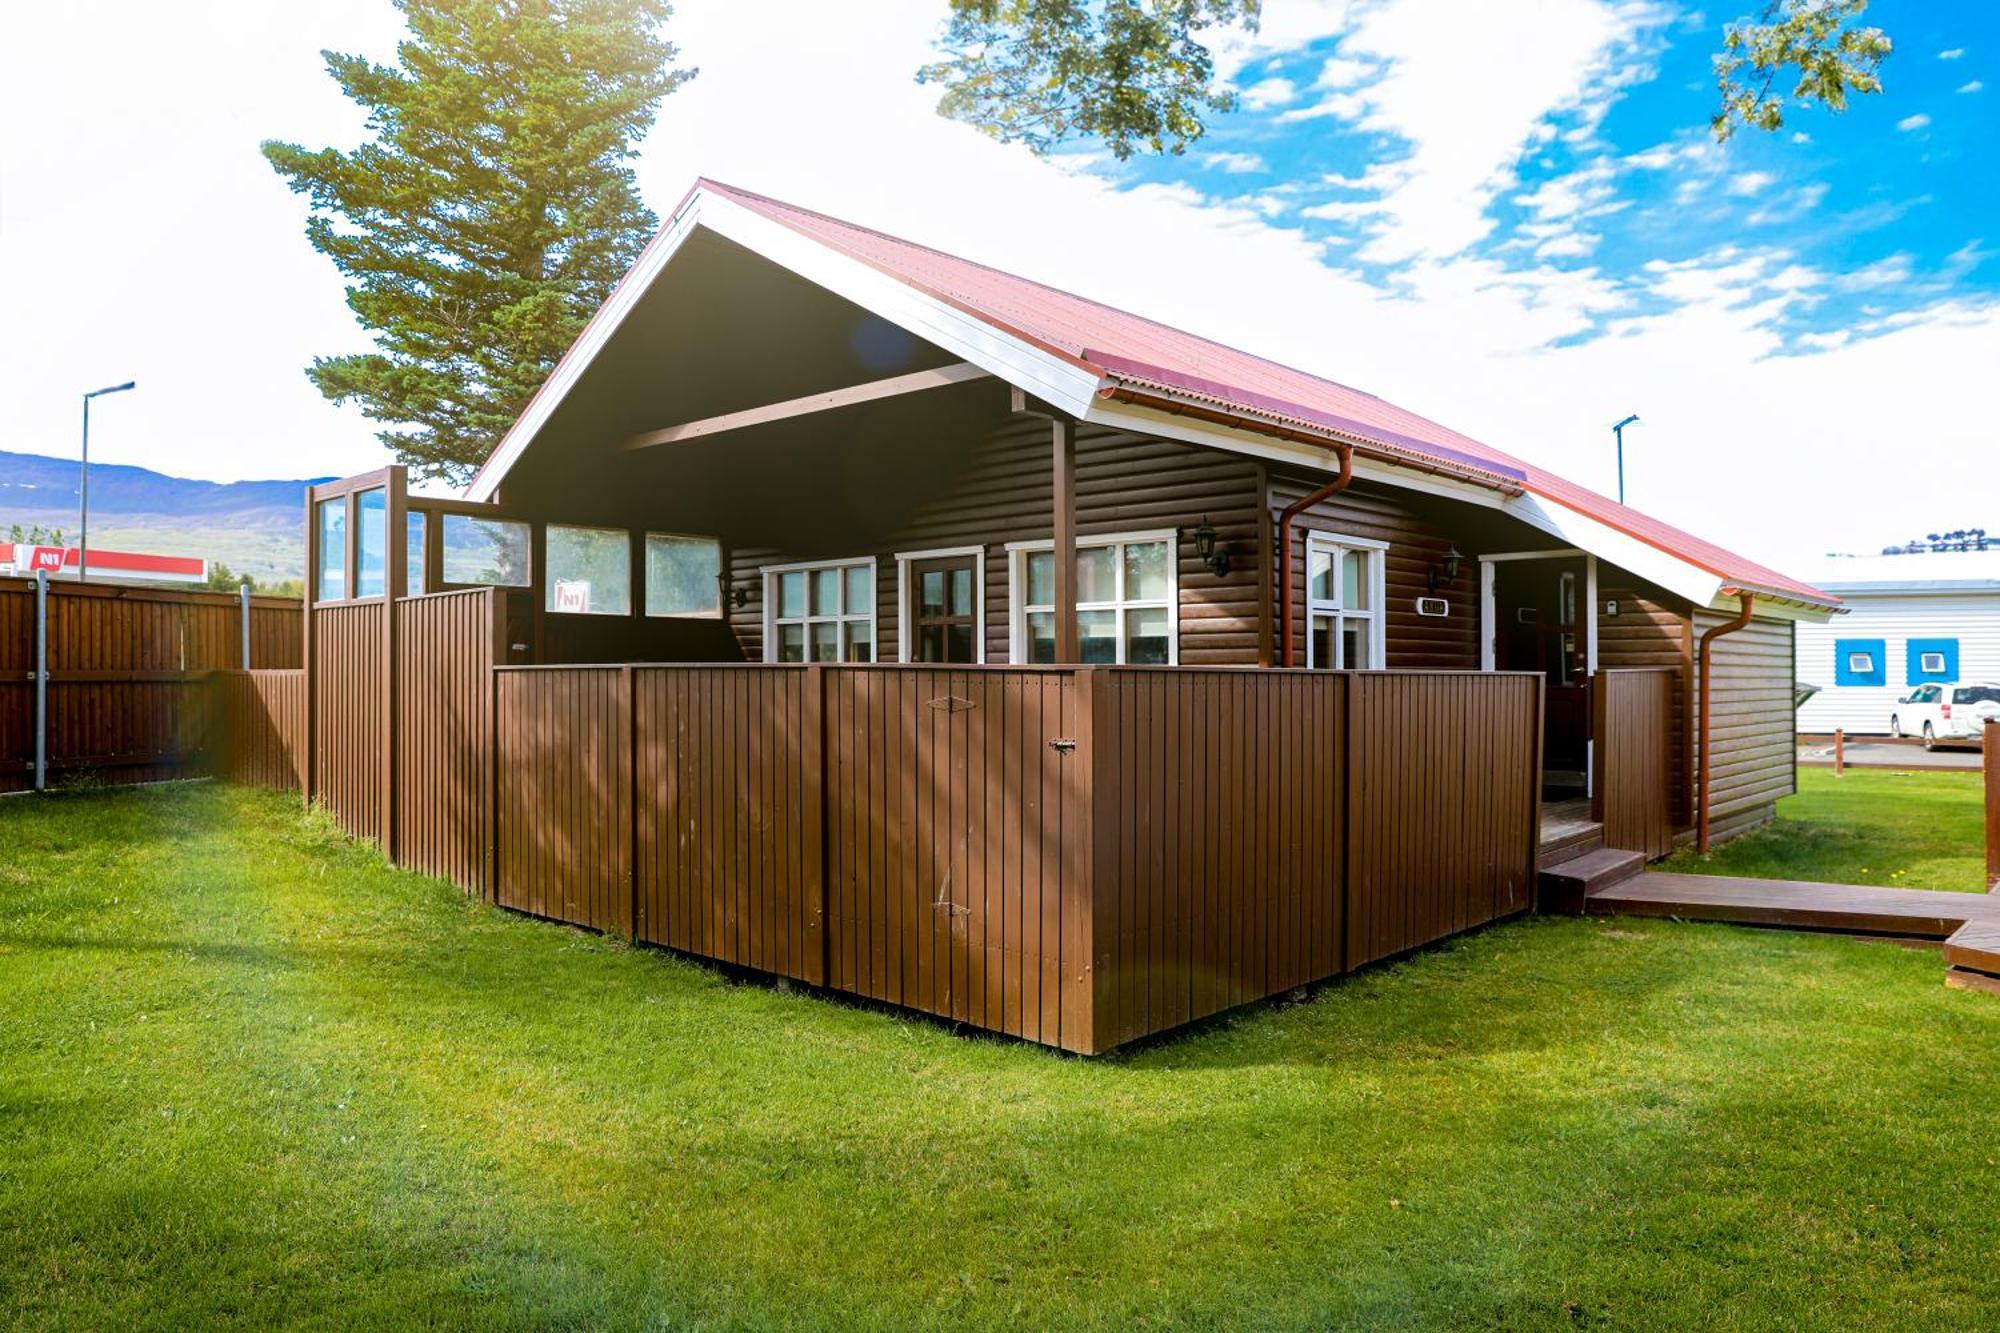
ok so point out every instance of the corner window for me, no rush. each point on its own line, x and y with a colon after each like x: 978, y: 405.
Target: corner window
x: 1344, y: 589
x: 1127, y: 591
x: 820, y: 613
x: 330, y: 585
x: 480, y: 551
x: 589, y: 570
x: 683, y: 575
x: 414, y: 522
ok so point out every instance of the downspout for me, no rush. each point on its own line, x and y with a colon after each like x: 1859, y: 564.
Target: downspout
x: 1336, y: 486
x: 1708, y: 637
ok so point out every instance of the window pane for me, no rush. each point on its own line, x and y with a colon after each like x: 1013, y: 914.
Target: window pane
x: 1146, y: 574
x: 1353, y: 581
x: 931, y: 644
x: 413, y: 554
x: 1097, y: 636
x: 860, y: 641
x: 826, y: 641
x: 1322, y: 654
x: 1146, y: 636
x: 589, y: 571
x: 1319, y: 574
x: 825, y: 592
x: 683, y: 575
x: 791, y: 643
x: 332, y: 550
x: 1041, y: 636
x: 1354, y: 645
x: 961, y: 592
x: 930, y: 596
x: 860, y: 588
x: 371, y: 543
x: 485, y: 550
x: 792, y: 594
x: 1041, y: 578
x: 959, y: 644
x: 1096, y: 574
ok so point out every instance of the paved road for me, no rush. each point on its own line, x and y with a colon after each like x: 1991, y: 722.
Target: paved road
x: 1884, y: 754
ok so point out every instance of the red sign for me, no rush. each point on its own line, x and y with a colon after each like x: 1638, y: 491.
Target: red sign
x: 572, y: 595
x: 45, y: 557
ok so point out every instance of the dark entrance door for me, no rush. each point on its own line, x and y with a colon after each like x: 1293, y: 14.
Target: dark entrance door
x: 942, y: 609
x: 1543, y: 626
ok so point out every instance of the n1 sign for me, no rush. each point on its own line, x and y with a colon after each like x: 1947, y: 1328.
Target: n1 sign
x: 573, y: 595
x: 45, y: 557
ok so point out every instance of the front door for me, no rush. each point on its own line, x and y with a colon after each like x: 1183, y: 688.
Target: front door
x: 1543, y: 628
x: 941, y: 607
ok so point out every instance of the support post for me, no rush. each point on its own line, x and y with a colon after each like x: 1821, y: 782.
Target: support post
x: 1840, y: 752
x: 1991, y: 765
x: 1063, y: 462
x: 395, y: 574
x: 42, y: 679
x: 243, y: 602
x: 309, y: 756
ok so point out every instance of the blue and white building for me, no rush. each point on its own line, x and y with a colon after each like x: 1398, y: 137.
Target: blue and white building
x: 1912, y: 619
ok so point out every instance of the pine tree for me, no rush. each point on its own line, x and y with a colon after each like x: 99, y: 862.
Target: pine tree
x: 490, y: 213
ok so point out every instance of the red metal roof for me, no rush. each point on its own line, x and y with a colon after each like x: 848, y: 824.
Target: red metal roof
x: 1123, y: 347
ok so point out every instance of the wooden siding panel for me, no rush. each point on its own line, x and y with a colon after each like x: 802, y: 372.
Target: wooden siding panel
x: 562, y: 748
x: 1635, y: 763
x: 1752, y: 722
x: 261, y: 718
x: 445, y: 650
x: 348, y: 701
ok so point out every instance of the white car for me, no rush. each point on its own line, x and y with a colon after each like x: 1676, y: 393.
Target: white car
x: 1946, y: 713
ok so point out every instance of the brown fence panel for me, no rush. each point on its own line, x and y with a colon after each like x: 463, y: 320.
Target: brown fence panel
x: 1219, y: 840
x: 727, y: 825
x: 347, y: 707
x: 128, y: 696
x: 261, y: 727
x: 1634, y: 758
x: 957, y: 834
x: 564, y: 800
x: 1442, y: 805
x: 445, y: 652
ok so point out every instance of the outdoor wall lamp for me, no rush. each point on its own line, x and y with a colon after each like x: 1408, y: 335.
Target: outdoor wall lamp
x: 1449, y: 570
x: 1216, y: 559
x: 737, y: 596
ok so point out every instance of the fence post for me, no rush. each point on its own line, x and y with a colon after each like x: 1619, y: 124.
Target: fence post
x: 1991, y: 765
x: 243, y: 600
x: 41, y: 679
x: 629, y: 799
x: 1839, y: 752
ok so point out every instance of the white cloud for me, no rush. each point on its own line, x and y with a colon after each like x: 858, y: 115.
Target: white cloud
x: 1893, y: 271
x: 1915, y: 122
x: 1236, y: 164
x: 1789, y: 207
x: 1971, y: 87
x: 1745, y: 184
x: 1343, y: 72
x: 1952, y: 54
x: 1566, y: 196
x: 1801, y: 137
x: 1268, y: 93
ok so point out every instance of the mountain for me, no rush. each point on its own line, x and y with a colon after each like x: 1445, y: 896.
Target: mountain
x: 255, y: 527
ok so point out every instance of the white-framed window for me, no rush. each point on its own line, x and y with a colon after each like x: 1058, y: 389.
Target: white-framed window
x: 925, y: 579
x: 1344, y: 596
x: 1127, y: 599
x: 1861, y: 664
x: 820, y: 612
x: 1931, y: 664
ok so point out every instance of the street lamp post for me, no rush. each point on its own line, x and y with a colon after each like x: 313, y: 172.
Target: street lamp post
x: 1618, y: 433
x: 83, y: 491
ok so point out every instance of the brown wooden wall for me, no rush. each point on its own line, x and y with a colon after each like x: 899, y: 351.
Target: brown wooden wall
x: 128, y: 696
x: 726, y: 837
x: 1633, y: 725
x: 347, y: 702
x: 446, y: 647
x: 957, y: 835
x: 1381, y: 513
x: 564, y: 795
x: 1653, y: 630
x: 1444, y: 772
x: 1124, y: 483
x: 1752, y: 722
x: 261, y: 722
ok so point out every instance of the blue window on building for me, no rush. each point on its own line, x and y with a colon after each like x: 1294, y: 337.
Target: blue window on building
x: 1860, y: 662
x: 1932, y: 659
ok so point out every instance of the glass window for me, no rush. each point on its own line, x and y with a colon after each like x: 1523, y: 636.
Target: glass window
x: 821, y: 613
x: 371, y: 543
x: 1860, y: 664
x: 683, y: 575
x: 1930, y: 663
x: 1125, y: 598
x: 589, y: 570
x: 413, y: 552
x: 485, y: 551
x: 1977, y: 694
x: 332, y: 582
x: 1343, y: 618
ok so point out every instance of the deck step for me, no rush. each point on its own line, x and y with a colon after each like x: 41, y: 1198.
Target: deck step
x: 1853, y: 908
x: 1569, y: 845
x: 1565, y: 885
x: 1975, y: 947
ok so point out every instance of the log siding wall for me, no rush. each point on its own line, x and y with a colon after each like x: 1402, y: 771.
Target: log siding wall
x: 1751, y: 722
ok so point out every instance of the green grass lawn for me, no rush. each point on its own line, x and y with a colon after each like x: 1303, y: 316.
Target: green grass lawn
x: 1874, y: 826
x: 249, y: 1075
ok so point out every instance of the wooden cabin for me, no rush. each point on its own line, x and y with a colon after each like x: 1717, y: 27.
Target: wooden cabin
x: 787, y: 439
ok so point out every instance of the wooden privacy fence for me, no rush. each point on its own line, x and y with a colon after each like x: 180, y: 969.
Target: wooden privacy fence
x: 129, y: 696
x: 1633, y: 727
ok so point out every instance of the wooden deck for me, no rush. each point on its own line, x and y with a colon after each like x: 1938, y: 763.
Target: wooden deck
x: 1852, y: 908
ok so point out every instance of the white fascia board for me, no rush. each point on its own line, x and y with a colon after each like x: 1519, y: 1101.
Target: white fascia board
x: 1600, y: 539
x: 1771, y: 608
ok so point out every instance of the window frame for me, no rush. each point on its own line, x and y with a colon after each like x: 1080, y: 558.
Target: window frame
x: 443, y: 524
x: 771, y: 618
x: 1375, y: 555
x: 645, y: 590
x: 1018, y: 607
x: 632, y: 591
x: 904, y: 559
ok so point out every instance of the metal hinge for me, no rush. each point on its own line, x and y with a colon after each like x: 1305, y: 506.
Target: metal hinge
x: 951, y: 703
x: 1062, y: 745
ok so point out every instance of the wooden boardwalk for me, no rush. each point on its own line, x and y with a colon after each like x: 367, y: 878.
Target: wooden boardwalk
x: 1800, y: 904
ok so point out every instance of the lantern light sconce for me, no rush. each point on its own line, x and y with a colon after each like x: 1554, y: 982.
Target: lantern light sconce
x: 1205, y: 546
x: 737, y: 596
x: 1448, y: 574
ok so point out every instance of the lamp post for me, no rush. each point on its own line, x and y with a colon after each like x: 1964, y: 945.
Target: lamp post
x: 1618, y: 433
x: 83, y: 491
